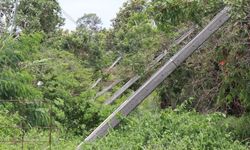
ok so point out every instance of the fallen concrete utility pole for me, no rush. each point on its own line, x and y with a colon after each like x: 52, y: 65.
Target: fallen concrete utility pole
x: 112, y: 66
x: 149, y: 86
x: 118, y: 93
x: 108, y: 88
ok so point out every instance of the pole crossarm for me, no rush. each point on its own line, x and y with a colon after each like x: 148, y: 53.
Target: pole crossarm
x: 118, y: 93
x: 149, y: 86
x: 176, y: 42
x: 110, y: 67
x: 108, y: 88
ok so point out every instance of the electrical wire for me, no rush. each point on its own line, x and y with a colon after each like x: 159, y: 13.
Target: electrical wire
x: 68, y: 16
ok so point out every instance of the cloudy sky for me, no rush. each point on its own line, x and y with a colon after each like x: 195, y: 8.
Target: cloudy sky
x: 105, y: 9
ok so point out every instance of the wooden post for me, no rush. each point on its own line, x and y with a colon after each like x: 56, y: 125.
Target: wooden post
x: 118, y: 93
x: 132, y: 102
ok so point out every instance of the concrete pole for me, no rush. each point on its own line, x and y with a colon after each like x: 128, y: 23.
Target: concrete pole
x: 149, y: 86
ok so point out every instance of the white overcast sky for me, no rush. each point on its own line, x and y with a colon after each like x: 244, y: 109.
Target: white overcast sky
x: 105, y: 9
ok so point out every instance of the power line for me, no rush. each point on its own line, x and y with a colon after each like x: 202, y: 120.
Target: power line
x: 68, y: 16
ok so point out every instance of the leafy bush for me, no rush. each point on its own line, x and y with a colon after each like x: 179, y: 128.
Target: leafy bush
x: 6, y: 123
x: 239, y: 127
x: 169, y: 130
x: 17, y: 85
x: 16, y: 51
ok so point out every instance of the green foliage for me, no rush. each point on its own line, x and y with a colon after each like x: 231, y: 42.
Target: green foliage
x: 6, y: 123
x: 42, y: 15
x: 170, y: 13
x: 17, y: 85
x: 66, y: 82
x: 89, y: 22
x: 239, y: 127
x: 62, y: 74
x: 33, y: 16
x: 234, y: 89
x: 53, y: 73
x: 135, y: 35
x: 214, y: 75
x: 87, y: 45
x: 169, y: 130
x: 13, y: 52
x: 82, y: 114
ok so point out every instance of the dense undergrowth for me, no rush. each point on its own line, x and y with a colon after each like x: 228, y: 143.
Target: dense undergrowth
x: 168, y: 129
x: 46, y: 75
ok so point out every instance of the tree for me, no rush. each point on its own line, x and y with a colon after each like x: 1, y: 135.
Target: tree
x: 129, y: 10
x: 134, y: 35
x: 42, y: 15
x: 169, y: 14
x: 6, y: 13
x: 2, y: 22
x: 90, y: 22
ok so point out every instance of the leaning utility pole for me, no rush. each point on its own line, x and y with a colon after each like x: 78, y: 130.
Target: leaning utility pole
x: 149, y: 86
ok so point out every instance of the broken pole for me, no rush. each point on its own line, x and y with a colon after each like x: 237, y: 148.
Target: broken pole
x: 148, y: 87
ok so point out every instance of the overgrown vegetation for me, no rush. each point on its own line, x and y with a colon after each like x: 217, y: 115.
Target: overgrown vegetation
x: 170, y: 129
x: 46, y: 74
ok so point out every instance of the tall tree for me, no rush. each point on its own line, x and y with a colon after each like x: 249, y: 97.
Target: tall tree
x: 169, y: 14
x: 39, y: 15
x: 90, y: 22
x: 134, y: 35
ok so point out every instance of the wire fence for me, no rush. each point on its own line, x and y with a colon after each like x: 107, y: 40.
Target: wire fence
x: 22, y: 139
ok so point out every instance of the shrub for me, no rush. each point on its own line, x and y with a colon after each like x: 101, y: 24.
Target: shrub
x: 169, y: 130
